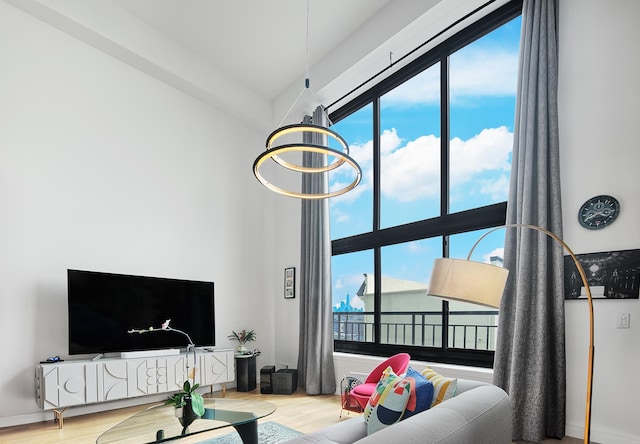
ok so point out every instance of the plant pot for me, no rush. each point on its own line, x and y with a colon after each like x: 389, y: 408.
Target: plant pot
x: 242, y: 349
x: 186, y: 415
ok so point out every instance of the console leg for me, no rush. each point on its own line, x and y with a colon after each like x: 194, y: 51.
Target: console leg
x: 58, y: 416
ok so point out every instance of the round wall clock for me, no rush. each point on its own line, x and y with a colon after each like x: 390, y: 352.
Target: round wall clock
x: 599, y: 212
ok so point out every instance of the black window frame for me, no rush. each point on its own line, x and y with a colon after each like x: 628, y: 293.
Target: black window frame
x: 444, y: 225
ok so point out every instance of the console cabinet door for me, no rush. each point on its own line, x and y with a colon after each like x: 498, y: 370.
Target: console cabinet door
x: 218, y: 367
x: 67, y: 384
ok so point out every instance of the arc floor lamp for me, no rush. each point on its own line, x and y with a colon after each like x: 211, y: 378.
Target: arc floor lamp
x: 481, y: 283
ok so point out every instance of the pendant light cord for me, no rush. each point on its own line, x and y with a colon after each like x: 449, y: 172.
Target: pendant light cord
x: 307, y: 83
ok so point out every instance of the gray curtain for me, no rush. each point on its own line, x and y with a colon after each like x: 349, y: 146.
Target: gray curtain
x: 530, y: 353
x: 315, y: 360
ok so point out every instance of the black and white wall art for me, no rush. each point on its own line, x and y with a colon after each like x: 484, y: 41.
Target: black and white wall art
x: 611, y: 275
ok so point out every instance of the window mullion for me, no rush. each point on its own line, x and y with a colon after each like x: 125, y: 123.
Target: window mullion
x: 376, y: 163
x: 377, y: 256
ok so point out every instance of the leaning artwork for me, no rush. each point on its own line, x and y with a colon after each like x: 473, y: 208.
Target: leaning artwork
x: 611, y: 275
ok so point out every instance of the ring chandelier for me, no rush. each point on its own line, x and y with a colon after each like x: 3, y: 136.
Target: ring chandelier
x: 274, y: 152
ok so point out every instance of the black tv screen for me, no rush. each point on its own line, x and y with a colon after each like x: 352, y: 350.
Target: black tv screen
x: 103, y: 307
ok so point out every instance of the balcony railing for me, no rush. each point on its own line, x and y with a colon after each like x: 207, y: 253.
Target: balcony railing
x: 472, y: 330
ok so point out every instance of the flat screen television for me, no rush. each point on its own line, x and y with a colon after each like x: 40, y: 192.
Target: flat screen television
x: 103, y: 307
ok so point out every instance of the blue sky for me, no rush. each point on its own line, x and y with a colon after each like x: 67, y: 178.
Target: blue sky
x: 483, y: 80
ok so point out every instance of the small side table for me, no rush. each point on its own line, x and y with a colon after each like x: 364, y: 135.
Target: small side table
x: 245, y: 373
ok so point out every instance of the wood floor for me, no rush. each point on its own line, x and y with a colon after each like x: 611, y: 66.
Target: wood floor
x: 298, y: 411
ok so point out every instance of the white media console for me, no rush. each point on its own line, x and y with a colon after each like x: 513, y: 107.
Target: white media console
x: 71, y: 383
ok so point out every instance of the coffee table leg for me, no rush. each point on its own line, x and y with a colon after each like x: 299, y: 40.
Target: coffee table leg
x: 248, y: 432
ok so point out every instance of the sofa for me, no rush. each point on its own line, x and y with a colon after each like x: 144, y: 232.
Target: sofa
x: 479, y: 413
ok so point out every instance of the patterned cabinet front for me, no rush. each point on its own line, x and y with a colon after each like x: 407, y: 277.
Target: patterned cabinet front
x: 70, y: 383
x: 66, y: 384
x: 218, y: 367
x: 155, y: 375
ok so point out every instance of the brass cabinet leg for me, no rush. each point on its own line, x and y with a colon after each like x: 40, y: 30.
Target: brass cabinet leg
x: 58, y: 416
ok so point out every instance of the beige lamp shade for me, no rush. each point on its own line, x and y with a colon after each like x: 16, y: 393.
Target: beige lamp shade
x: 468, y: 281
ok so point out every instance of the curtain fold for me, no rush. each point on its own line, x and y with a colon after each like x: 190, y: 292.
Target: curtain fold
x: 530, y: 352
x: 315, y: 359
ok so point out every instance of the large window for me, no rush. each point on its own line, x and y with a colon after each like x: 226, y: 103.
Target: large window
x: 434, y: 142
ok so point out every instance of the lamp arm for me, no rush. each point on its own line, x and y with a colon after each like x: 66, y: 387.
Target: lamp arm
x: 190, y: 346
x: 583, y: 276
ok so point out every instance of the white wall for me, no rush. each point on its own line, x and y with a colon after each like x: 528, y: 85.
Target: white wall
x: 599, y: 115
x: 105, y: 168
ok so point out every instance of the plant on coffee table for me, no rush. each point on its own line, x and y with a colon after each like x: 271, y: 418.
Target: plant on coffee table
x: 191, y: 401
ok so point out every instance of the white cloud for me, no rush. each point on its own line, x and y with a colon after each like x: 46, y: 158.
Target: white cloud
x: 363, y: 155
x: 475, y: 72
x: 498, y: 189
x: 413, y: 171
x: 483, y: 73
x: 415, y: 247
x: 497, y: 252
x: 488, y: 150
x: 357, y: 302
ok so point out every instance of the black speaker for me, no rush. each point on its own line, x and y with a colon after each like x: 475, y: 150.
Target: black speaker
x: 285, y: 381
x: 265, y: 379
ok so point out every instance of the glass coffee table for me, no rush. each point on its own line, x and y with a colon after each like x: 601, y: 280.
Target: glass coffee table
x: 160, y: 423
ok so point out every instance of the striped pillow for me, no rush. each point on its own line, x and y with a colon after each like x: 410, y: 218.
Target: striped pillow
x: 443, y: 388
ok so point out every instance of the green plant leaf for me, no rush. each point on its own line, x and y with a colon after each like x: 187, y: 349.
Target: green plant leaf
x: 197, y: 404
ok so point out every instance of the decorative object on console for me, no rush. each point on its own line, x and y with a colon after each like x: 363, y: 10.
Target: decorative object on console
x: 190, y: 346
x: 481, y: 283
x: 243, y: 336
x: 272, y: 152
x: 598, y: 212
x: 189, y: 404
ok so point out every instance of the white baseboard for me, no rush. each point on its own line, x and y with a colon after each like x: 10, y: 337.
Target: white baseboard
x: 599, y: 436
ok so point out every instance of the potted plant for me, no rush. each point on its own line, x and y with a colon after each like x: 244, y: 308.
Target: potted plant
x: 191, y: 402
x: 243, y: 336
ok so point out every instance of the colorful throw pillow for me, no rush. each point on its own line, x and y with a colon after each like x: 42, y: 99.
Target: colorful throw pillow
x: 443, y: 387
x: 388, y: 407
x: 388, y: 378
x: 421, y: 396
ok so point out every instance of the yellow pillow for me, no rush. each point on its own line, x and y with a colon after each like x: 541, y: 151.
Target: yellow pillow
x: 443, y: 387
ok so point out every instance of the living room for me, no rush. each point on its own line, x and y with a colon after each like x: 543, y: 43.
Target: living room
x: 121, y: 152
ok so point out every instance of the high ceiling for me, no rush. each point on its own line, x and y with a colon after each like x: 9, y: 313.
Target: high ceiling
x: 250, y: 57
x: 260, y: 43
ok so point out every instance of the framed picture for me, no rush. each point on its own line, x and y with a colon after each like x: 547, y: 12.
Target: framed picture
x: 611, y: 275
x: 289, y: 283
